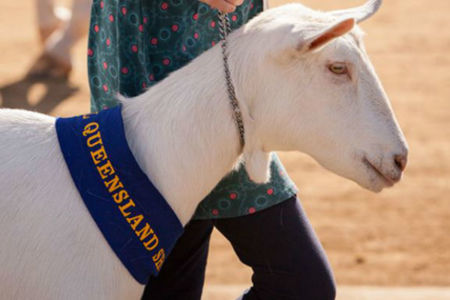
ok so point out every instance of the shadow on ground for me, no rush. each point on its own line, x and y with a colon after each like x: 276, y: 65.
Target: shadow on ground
x: 40, y: 94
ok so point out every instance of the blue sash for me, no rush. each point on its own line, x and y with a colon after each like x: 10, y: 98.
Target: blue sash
x: 133, y: 216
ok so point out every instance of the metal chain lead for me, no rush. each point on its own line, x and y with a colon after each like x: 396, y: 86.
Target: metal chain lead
x: 224, y: 29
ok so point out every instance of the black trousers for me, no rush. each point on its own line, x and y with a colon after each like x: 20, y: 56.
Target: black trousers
x: 278, y: 243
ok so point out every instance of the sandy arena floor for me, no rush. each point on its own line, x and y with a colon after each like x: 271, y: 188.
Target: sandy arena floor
x: 398, y: 237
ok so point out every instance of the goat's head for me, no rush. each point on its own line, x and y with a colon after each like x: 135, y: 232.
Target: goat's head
x: 312, y: 88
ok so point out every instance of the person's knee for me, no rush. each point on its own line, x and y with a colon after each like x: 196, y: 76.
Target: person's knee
x: 307, y: 285
x: 317, y: 283
x: 323, y: 288
x: 330, y: 290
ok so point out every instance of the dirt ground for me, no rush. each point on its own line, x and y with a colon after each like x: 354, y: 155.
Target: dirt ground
x: 398, y: 237
x: 354, y: 292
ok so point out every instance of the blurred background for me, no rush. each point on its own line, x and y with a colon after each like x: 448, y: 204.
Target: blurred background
x: 399, y: 238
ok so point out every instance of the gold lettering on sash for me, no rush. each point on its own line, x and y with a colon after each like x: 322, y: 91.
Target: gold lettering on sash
x: 120, y: 196
x: 159, y: 258
x: 134, y: 221
x: 87, y: 116
x: 94, y: 140
x: 152, y: 243
x: 115, y: 187
x: 114, y: 184
x: 106, y: 170
x: 144, y: 232
x: 99, y: 155
x: 90, y: 128
x: 124, y: 207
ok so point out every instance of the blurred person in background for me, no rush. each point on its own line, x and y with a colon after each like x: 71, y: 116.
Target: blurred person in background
x: 134, y: 44
x: 59, y: 29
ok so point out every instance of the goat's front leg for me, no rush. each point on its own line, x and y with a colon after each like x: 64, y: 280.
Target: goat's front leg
x: 55, y: 61
x: 62, y: 41
x: 47, y: 20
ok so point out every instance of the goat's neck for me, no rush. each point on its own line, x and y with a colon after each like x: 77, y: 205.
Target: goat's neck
x: 182, y: 133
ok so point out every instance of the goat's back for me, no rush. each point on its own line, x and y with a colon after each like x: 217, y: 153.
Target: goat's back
x: 50, y: 247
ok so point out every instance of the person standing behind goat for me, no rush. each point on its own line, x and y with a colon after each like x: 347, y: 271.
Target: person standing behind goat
x: 59, y: 30
x: 133, y: 45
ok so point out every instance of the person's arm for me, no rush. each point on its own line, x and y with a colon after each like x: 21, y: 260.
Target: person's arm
x: 226, y: 6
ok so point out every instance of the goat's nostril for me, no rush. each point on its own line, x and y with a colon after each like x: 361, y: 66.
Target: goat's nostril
x: 400, y: 161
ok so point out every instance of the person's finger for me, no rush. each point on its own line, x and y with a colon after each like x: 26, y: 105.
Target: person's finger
x: 235, y: 2
x: 221, y: 5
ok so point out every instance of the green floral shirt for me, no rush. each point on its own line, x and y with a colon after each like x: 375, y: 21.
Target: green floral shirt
x: 135, y: 43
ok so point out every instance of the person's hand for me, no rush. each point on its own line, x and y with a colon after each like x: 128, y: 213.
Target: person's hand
x: 226, y: 6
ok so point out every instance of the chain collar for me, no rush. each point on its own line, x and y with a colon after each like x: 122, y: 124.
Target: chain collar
x: 224, y: 29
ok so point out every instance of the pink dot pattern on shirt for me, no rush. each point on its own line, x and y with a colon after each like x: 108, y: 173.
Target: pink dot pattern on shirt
x: 150, y: 42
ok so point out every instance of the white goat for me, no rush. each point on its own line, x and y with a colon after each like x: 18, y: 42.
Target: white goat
x: 304, y: 83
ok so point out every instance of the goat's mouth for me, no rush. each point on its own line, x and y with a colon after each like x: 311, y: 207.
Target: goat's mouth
x: 388, y: 182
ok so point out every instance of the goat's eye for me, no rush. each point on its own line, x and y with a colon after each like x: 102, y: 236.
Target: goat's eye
x: 338, y: 68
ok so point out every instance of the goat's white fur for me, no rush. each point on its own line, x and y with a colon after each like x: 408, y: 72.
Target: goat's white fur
x: 183, y: 136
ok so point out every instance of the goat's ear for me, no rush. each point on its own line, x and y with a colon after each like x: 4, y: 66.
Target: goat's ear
x: 324, y: 36
x: 257, y: 165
